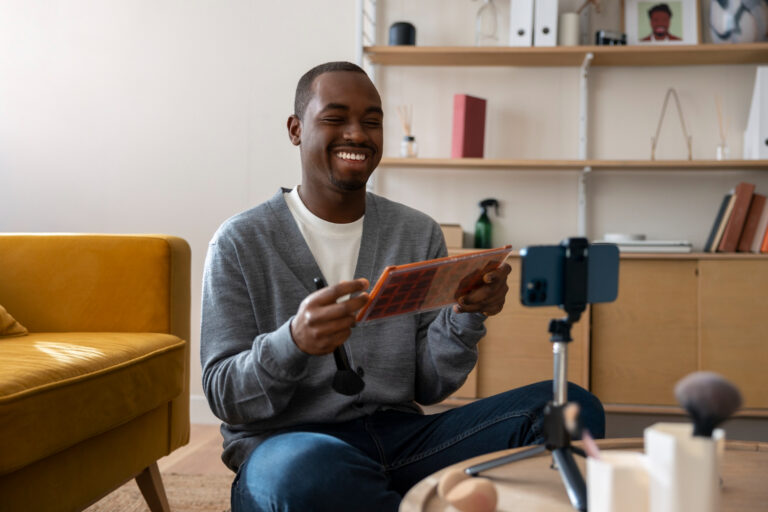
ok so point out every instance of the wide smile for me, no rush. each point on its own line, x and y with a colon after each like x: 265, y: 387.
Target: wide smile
x: 351, y: 156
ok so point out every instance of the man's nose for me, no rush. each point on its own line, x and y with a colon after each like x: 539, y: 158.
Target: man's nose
x: 353, y: 131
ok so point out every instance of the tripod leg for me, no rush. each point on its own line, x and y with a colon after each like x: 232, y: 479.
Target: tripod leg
x: 572, y: 479
x: 524, y: 454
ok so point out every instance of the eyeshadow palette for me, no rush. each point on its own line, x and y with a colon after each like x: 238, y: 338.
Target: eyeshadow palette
x: 431, y: 284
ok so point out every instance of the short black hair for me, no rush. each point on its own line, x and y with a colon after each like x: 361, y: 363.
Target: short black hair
x: 304, y: 87
x: 660, y: 8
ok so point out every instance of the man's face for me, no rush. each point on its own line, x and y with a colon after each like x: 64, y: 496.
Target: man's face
x: 340, y: 134
x: 660, y: 24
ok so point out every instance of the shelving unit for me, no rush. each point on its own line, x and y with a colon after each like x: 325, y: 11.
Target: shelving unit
x: 706, y: 324
x: 576, y: 165
x: 585, y: 57
x: 688, y: 55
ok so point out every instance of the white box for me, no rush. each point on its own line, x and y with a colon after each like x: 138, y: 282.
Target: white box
x: 454, y: 235
x: 756, y: 134
x: 683, y: 468
x: 545, y: 23
x: 618, y: 480
x: 521, y: 23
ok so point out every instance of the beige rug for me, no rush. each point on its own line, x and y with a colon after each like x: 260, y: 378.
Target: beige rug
x: 186, y: 493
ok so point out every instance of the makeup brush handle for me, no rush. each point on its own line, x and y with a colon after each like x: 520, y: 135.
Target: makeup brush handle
x: 340, y: 356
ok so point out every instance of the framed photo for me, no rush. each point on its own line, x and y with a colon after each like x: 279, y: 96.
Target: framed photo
x: 661, y: 22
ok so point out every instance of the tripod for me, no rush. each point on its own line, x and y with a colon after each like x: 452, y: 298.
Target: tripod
x: 557, y: 438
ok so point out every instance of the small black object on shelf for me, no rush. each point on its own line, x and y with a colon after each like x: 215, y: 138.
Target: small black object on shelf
x: 610, y: 38
x: 402, y: 33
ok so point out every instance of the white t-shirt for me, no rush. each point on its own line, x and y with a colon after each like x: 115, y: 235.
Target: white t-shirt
x: 334, y: 246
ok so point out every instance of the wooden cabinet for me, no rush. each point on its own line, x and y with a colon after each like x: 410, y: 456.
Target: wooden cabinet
x: 733, y: 340
x: 675, y: 314
x: 646, y: 341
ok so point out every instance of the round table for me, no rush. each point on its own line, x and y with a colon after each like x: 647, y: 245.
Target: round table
x: 531, y: 484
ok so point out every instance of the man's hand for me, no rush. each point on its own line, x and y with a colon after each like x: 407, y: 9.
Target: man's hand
x: 488, y: 298
x: 322, y: 324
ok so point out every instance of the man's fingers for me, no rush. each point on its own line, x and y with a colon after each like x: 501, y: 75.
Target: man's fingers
x: 498, y: 274
x: 330, y: 294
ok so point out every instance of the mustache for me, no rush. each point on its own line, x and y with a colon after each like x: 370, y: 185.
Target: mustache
x: 354, y: 145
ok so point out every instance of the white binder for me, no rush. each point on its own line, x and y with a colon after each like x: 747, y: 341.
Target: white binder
x: 521, y: 23
x: 756, y: 134
x: 545, y: 23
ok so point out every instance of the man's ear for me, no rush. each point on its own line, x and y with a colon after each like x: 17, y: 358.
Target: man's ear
x: 294, y: 129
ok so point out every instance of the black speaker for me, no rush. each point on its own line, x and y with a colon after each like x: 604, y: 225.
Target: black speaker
x: 402, y: 33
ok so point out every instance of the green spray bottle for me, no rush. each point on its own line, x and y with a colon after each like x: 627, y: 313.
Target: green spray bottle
x: 483, y: 225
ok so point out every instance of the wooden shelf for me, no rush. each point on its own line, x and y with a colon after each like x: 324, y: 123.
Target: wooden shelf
x: 675, y: 55
x: 575, y: 165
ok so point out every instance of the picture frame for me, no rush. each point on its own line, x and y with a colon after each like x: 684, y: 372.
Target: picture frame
x: 662, y: 22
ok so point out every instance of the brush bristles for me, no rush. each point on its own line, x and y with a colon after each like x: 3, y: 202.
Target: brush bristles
x: 347, y: 382
x: 709, y: 398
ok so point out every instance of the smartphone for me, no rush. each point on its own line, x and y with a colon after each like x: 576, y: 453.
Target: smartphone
x: 542, y: 270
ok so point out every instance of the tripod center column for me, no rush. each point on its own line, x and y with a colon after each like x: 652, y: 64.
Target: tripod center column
x: 560, y: 373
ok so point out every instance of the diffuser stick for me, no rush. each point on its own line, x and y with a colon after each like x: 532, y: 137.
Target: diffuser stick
x: 720, y: 123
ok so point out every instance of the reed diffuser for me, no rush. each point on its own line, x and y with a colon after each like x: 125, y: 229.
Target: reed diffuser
x: 722, y: 152
x: 408, y: 146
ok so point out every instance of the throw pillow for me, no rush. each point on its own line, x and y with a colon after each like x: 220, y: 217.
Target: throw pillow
x: 9, y: 326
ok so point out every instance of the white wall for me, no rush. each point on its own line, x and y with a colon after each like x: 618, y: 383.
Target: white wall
x: 169, y: 116
x: 154, y: 116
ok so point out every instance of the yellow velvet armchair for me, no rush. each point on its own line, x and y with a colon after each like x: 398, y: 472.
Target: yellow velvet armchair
x: 98, y: 390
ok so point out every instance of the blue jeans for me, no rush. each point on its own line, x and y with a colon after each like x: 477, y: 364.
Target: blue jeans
x: 369, y: 463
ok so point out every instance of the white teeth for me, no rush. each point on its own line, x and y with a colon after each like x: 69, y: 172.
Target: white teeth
x: 350, y: 156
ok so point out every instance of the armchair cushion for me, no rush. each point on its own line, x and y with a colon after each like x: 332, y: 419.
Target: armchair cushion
x: 67, y: 393
x: 9, y: 326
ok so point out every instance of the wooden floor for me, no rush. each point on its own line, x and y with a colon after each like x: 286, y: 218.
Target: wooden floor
x: 202, y: 456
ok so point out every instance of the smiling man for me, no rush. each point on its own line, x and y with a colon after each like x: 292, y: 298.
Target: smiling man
x: 268, y: 335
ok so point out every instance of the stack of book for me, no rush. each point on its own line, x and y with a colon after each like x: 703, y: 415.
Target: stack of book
x: 638, y: 243
x: 741, y: 223
x: 652, y: 245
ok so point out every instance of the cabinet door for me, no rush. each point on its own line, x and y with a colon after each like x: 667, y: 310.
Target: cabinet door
x: 516, y: 350
x: 734, y: 337
x: 646, y: 340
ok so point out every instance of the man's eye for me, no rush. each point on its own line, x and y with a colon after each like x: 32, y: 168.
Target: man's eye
x: 373, y: 123
x: 332, y: 120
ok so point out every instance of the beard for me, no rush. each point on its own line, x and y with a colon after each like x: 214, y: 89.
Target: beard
x: 347, y: 185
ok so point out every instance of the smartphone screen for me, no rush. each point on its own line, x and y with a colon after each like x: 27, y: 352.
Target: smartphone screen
x: 542, y: 269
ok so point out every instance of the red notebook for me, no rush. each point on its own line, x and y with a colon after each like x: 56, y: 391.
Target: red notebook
x: 431, y: 284
x: 468, y: 126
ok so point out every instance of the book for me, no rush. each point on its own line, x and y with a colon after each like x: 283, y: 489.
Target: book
x: 718, y: 220
x: 723, y: 222
x: 764, y: 245
x: 761, y: 232
x: 468, y: 139
x: 431, y: 284
x: 750, y: 225
x: 655, y: 248
x: 743, y: 194
x: 671, y: 246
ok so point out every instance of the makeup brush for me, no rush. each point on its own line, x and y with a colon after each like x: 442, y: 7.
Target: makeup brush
x: 346, y: 380
x: 709, y: 399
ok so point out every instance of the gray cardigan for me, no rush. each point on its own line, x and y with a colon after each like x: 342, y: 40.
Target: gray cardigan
x: 257, y: 272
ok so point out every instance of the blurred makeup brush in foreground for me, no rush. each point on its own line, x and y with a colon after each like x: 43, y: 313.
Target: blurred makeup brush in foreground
x: 709, y: 399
